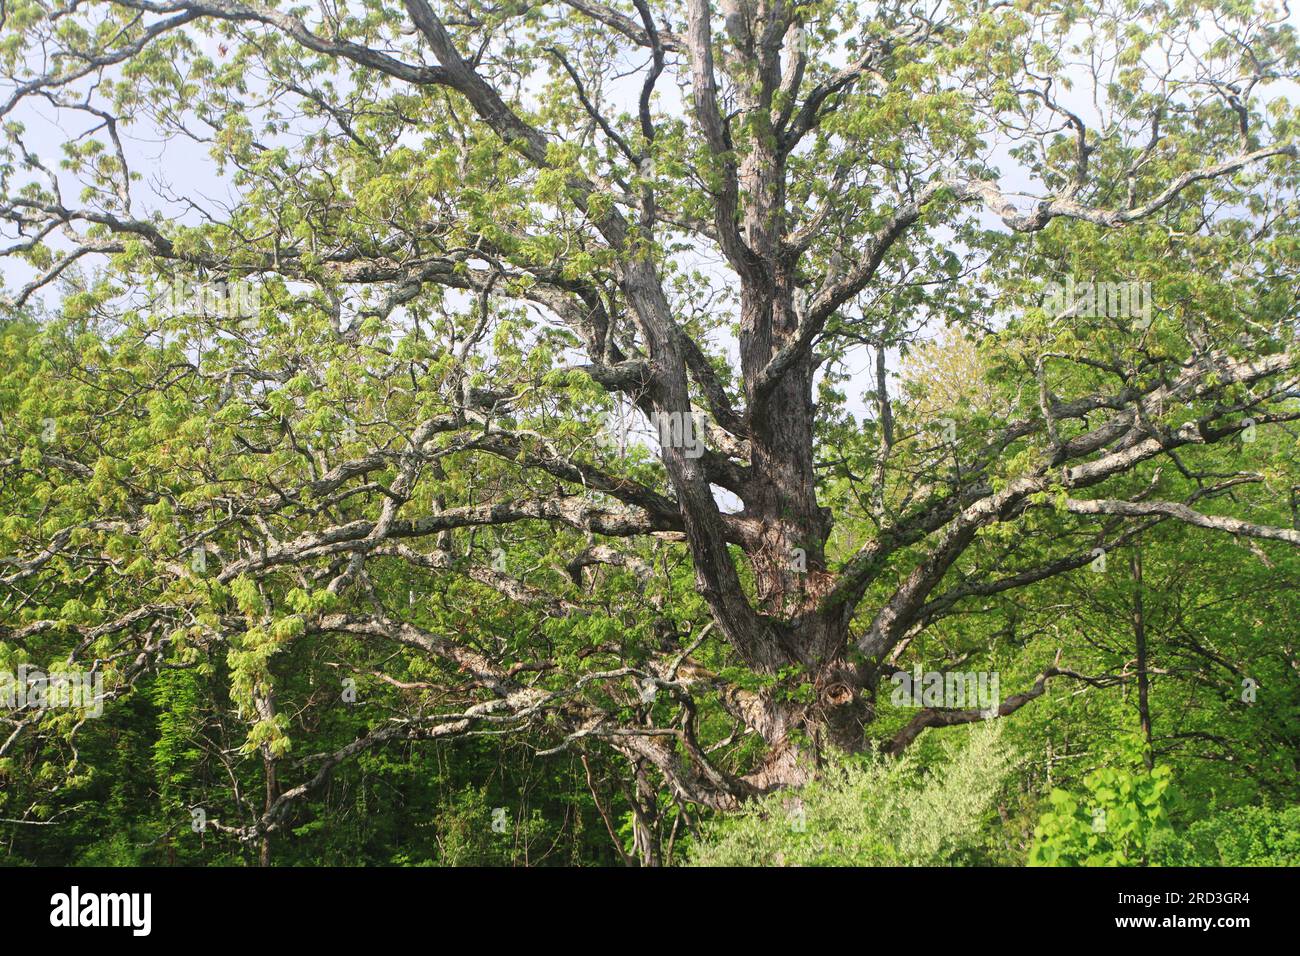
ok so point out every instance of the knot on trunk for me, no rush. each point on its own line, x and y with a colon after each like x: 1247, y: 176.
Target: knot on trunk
x: 836, y: 694
x: 841, y: 710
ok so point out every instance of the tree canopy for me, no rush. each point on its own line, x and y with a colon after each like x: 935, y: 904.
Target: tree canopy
x: 614, y: 402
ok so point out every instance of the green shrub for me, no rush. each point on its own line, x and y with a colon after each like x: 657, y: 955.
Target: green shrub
x: 872, y: 812
x: 1246, y: 836
x: 1123, y: 813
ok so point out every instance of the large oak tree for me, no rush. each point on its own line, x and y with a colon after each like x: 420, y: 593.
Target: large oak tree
x: 467, y: 250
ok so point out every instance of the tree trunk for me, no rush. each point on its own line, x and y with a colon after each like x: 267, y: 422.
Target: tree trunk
x: 1140, y: 638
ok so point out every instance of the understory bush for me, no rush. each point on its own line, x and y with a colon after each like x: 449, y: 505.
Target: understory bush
x: 873, y: 811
